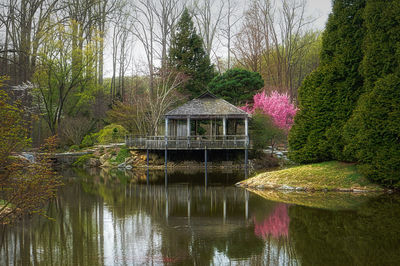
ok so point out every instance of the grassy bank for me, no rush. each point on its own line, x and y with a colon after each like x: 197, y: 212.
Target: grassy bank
x: 331, y: 176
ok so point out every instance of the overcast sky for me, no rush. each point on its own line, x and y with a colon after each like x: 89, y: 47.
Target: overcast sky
x: 317, y: 9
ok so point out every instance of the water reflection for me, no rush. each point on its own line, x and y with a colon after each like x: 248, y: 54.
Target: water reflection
x: 117, y: 219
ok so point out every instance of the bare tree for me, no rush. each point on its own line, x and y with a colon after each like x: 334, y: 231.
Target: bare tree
x: 208, y: 17
x: 153, y: 25
x: 249, y: 43
x: 227, y: 30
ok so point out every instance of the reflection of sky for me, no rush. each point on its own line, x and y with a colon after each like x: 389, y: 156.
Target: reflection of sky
x: 131, y: 240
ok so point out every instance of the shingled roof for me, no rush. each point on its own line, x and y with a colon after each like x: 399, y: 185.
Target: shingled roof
x: 207, y: 105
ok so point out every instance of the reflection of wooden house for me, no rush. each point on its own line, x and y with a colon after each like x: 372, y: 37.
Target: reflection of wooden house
x: 204, y: 122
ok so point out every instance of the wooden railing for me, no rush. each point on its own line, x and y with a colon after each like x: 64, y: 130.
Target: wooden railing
x: 183, y: 143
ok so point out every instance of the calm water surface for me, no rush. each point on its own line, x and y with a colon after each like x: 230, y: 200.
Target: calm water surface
x: 124, y: 219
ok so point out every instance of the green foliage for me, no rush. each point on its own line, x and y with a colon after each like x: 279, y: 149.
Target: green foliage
x: 89, y: 140
x: 122, y: 155
x: 74, y: 148
x: 13, y: 130
x: 187, y: 55
x: 112, y: 134
x: 328, y: 96
x: 349, y: 108
x: 237, y: 86
x: 377, y: 132
x: 82, y: 160
x: 264, y: 132
x: 64, y: 76
x: 373, y: 132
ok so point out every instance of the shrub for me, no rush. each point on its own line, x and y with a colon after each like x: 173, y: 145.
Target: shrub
x: 122, y: 154
x: 111, y: 134
x: 89, y: 140
x: 74, y: 148
x: 82, y: 160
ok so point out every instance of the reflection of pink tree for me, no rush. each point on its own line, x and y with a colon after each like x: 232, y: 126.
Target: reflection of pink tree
x: 277, y: 224
x: 276, y: 105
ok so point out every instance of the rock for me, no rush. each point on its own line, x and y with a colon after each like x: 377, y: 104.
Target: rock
x: 300, y: 189
x: 285, y: 187
x: 121, y: 165
x: 106, y: 164
x: 358, y: 190
x: 128, y: 167
x: 104, y: 158
x: 260, y: 187
x: 128, y: 160
x: 93, y: 162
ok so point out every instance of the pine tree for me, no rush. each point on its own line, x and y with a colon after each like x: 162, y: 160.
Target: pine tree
x: 328, y: 96
x: 187, y: 55
x: 373, y: 132
x: 237, y: 86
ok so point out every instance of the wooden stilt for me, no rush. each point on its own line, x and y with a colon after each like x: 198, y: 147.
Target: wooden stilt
x: 166, y: 171
x: 205, y: 167
x: 147, y: 161
x: 246, y: 158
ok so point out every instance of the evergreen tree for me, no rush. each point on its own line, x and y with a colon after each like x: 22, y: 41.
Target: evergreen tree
x: 373, y: 132
x: 187, y: 55
x: 328, y: 96
x: 237, y: 86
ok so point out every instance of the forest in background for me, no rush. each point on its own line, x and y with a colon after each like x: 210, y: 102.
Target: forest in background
x: 54, y: 55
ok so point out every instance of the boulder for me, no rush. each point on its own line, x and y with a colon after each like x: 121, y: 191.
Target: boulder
x: 106, y: 164
x: 128, y: 167
x: 121, y: 165
x: 104, y: 158
x: 93, y: 162
x: 128, y: 160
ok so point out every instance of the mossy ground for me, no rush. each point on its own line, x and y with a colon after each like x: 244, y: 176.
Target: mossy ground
x: 320, y: 176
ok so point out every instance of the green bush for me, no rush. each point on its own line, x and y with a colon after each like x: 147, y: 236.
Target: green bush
x: 74, y: 148
x: 377, y: 132
x: 122, y: 154
x: 82, y: 160
x: 329, y: 95
x: 89, y: 140
x: 112, y: 134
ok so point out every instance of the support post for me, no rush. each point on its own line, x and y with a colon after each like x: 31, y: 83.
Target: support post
x: 166, y: 128
x: 147, y: 161
x: 165, y: 170
x: 188, y: 127
x: 224, y: 126
x: 246, y: 158
x: 205, y: 166
x: 188, y: 131
x: 246, y: 127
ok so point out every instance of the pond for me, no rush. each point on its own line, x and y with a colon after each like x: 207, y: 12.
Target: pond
x: 117, y: 218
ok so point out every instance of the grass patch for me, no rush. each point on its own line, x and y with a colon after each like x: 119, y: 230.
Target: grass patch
x: 320, y: 176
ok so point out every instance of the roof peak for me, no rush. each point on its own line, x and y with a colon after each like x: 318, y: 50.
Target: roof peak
x: 206, y: 94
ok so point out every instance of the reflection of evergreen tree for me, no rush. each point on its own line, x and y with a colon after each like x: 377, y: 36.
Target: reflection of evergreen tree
x: 368, y: 236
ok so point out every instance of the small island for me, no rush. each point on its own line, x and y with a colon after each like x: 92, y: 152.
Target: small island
x: 326, y: 176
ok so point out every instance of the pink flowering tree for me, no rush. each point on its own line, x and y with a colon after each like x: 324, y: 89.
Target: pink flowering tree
x: 272, y: 119
x: 276, y: 105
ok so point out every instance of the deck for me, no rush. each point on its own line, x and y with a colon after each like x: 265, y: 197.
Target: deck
x: 237, y: 142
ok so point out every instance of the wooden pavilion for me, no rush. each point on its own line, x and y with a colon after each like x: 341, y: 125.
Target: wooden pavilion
x: 206, y: 122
